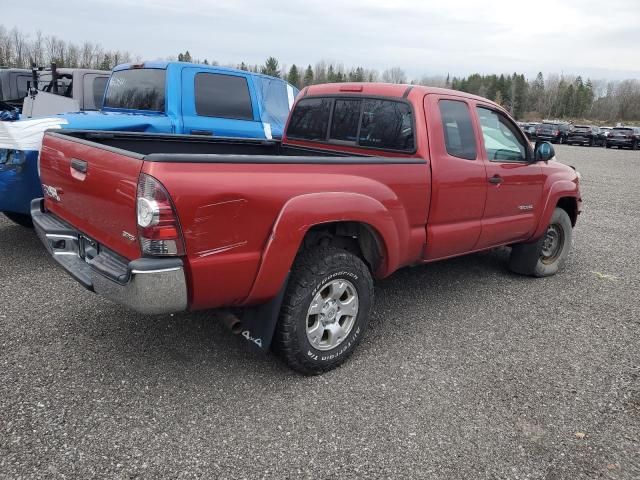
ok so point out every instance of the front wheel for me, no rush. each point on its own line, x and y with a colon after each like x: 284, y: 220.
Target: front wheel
x: 548, y: 255
x: 634, y: 146
x: 325, y: 310
x: 20, y: 218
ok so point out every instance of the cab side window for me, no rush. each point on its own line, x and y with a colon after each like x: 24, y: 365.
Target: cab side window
x: 502, y: 141
x: 222, y: 96
x: 459, y: 137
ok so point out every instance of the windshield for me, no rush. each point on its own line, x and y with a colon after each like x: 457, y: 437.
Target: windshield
x: 582, y: 128
x: 623, y: 130
x: 549, y: 125
x: 137, y: 89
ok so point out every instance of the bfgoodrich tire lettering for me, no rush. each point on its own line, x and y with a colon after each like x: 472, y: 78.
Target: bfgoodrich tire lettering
x: 549, y: 254
x: 315, y: 271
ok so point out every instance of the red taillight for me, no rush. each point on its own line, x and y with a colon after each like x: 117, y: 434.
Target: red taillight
x: 158, y: 226
x: 556, y: 132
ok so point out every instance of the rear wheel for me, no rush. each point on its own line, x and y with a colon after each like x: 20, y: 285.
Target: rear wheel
x: 548, y: 255
x: 325, y: 311
x: 20, y: 218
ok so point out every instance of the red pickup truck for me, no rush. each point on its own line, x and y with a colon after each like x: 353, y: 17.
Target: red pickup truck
x: 289, y: 236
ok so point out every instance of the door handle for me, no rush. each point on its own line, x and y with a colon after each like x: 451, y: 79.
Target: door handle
x: 496, y: 179
x: 79, y: 165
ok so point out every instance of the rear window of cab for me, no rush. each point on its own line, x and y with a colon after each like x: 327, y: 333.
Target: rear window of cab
x: 371, y: 123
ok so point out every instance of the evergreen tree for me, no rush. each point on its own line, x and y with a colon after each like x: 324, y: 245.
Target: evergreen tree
x: 271, y: 67
x: 331, y: 75
x: 104, y: 65
x: 308, y: 77
x: 294, y: 76
x: 187, y: 56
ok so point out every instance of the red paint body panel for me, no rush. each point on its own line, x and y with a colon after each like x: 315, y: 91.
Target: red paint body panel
x: 243, y: 223
x: 241, y: 219
x: 100, y: 203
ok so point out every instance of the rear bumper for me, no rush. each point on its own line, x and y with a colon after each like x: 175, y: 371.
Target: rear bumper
x: 620, y: 142
x: 580, y: 139
x: 551, y: 138
x: 147, y: 285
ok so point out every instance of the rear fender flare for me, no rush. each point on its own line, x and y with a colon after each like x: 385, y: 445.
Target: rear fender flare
x: 300, y: 214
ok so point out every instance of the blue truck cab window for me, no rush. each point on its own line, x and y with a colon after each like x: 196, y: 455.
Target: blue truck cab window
x: 137, y: 89
x: 223, y: 96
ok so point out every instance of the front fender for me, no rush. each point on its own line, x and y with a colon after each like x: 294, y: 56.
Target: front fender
x: 301, y: 213
x: 558, y: 190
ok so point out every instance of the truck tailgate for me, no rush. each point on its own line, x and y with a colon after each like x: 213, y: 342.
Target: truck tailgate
x: 93, y: 189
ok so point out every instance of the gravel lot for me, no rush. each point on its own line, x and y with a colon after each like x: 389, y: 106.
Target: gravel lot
x: 467, y: 371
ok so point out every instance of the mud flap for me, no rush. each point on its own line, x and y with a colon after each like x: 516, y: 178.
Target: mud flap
x: 524, y: 257
x: 259, y: 323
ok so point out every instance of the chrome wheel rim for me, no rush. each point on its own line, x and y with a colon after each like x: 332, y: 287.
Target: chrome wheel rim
x: 552, y: 244
x: 332, y: 314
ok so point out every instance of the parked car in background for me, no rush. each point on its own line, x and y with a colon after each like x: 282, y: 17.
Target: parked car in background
x: 554, y: 132
x: 14, y: 86
x: 62, y: 90
x: 156, y: 97
x: 585, y: 135
x: 605, y: 131
x: 530, y: 130
x: 624, y: 137
x: 40, y: 92
x: 369, y: 178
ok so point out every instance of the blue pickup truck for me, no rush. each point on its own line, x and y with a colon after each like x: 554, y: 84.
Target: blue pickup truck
x: 153, y: 97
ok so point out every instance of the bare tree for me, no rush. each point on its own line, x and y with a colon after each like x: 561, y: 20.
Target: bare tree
x: 20, y: 48
x: 394, y: 75
x: 87, y: 53
x: 37, y: 49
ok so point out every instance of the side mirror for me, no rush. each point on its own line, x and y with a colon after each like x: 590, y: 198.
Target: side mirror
x: 544, y: 152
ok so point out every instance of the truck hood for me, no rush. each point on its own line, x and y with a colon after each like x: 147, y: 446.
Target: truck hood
x: 122, y: 121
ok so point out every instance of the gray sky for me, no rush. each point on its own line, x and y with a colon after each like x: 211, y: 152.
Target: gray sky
x: 594, y: 38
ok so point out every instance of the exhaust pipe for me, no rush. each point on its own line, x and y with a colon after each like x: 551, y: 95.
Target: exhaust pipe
x: 232, y: 322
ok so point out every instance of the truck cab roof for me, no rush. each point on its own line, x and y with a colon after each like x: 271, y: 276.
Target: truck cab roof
x: 399, y: 90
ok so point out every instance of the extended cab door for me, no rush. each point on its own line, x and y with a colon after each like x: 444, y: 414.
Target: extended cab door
x: 219, y: 103
x: 459, y: 185
x: 514, y: 182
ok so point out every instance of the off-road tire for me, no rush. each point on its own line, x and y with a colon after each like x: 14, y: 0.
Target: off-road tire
x: 312, y: 270
x: 528, y: 258
x: 20, y: 218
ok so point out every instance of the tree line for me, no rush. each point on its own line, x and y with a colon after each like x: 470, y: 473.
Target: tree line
x: 20, y: 50
x: 556, y: 96
x: 553, y: 96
